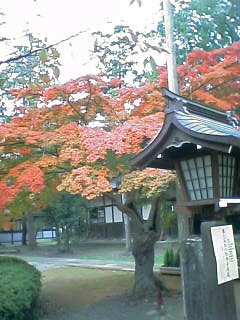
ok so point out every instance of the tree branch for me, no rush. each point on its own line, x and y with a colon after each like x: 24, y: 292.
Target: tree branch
x: 155, y: 48
x: 125, y: 209
x: 32, y: 52
x: 152, y: 213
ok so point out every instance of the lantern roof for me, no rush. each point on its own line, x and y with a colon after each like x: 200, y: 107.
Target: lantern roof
x: 189, y: 128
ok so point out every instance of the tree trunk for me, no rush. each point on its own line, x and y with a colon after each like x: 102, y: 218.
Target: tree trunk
x: 57, y: 230
x: 67, y: 239
x: 32, y: 244
x: 24, y: 232
x: 145, y: 235
x: 127, y: 230
x: 143, y: 252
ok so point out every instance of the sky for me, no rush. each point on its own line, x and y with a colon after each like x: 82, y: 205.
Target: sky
x: 59, y: 19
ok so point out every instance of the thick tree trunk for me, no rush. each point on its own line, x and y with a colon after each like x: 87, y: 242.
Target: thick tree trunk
x: 145, y: 235
x: 143, y: 252
x: 32, y: 244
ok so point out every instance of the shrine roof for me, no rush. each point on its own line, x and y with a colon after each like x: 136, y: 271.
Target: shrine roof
x: 189, y: 125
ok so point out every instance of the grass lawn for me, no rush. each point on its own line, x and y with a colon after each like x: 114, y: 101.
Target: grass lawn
x: 158, y: 260
x: 46, y: 243
x: 109, y: 253
x: 75, y: 288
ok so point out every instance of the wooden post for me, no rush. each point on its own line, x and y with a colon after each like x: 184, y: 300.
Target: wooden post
x: 192, y: 276
x: 219, y: 300
x: 183, y: 235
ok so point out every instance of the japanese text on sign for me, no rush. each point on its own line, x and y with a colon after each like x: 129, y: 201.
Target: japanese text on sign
x: 225, y: 253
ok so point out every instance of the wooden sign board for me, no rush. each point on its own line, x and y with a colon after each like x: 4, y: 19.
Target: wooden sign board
x: 225, y: 253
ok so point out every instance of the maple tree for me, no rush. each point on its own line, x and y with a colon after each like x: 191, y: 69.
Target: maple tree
x: 211, y: 77
x: 59, y: 142
x: 84, y: 133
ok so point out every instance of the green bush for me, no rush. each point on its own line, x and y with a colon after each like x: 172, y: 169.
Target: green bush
x: 20, y: 285
x: 166, y: 259
x: 176, y: 259
x: 171, y: 258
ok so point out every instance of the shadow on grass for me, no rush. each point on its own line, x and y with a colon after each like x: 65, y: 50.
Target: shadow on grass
x: 73, y: 288
x: 74, y: 293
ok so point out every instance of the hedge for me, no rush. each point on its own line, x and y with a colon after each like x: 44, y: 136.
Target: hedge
x: 20, y: 285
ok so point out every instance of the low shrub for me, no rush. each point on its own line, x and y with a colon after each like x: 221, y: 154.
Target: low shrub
x: 171, y: 258
x: 20, y: 285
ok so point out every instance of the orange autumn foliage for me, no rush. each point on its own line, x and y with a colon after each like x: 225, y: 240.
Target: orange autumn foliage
x: 212, y: 77
x: 150, y: 182
x: 84, y: 133
x: 26, y: 175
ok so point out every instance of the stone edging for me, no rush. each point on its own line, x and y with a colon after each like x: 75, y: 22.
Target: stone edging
x: 170, y: 270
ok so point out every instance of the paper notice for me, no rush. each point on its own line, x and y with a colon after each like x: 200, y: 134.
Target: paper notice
x: 225, y: 253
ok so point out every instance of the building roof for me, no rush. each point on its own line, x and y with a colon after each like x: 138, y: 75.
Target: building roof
x: 203, y: 125
x: 187, y: 126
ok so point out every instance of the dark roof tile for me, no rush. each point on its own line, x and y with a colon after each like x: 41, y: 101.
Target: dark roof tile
x: 203, y: 125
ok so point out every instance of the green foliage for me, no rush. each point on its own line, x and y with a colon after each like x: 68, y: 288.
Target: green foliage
x: 29, y: 202
x: 176, y: 259
x: 166, y: 259
x: 205, y: 24
x: 169, y: 218
x: 41, y: 68
x: 171, y: 258
x: 68, y: 212
x: 116, y: 164
x: 19, y: 289
x: 120, y: 53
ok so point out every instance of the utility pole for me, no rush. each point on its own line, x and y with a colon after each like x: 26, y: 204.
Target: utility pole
x: 171, y: 56
x: 183, y: 231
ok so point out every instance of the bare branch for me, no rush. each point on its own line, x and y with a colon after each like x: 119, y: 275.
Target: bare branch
x: 3, y: 38
x: 139, y: 2
x: 32, y: 52
x: 155, y: 48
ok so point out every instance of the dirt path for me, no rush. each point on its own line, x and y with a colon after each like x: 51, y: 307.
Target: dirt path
x: 122, y: 308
